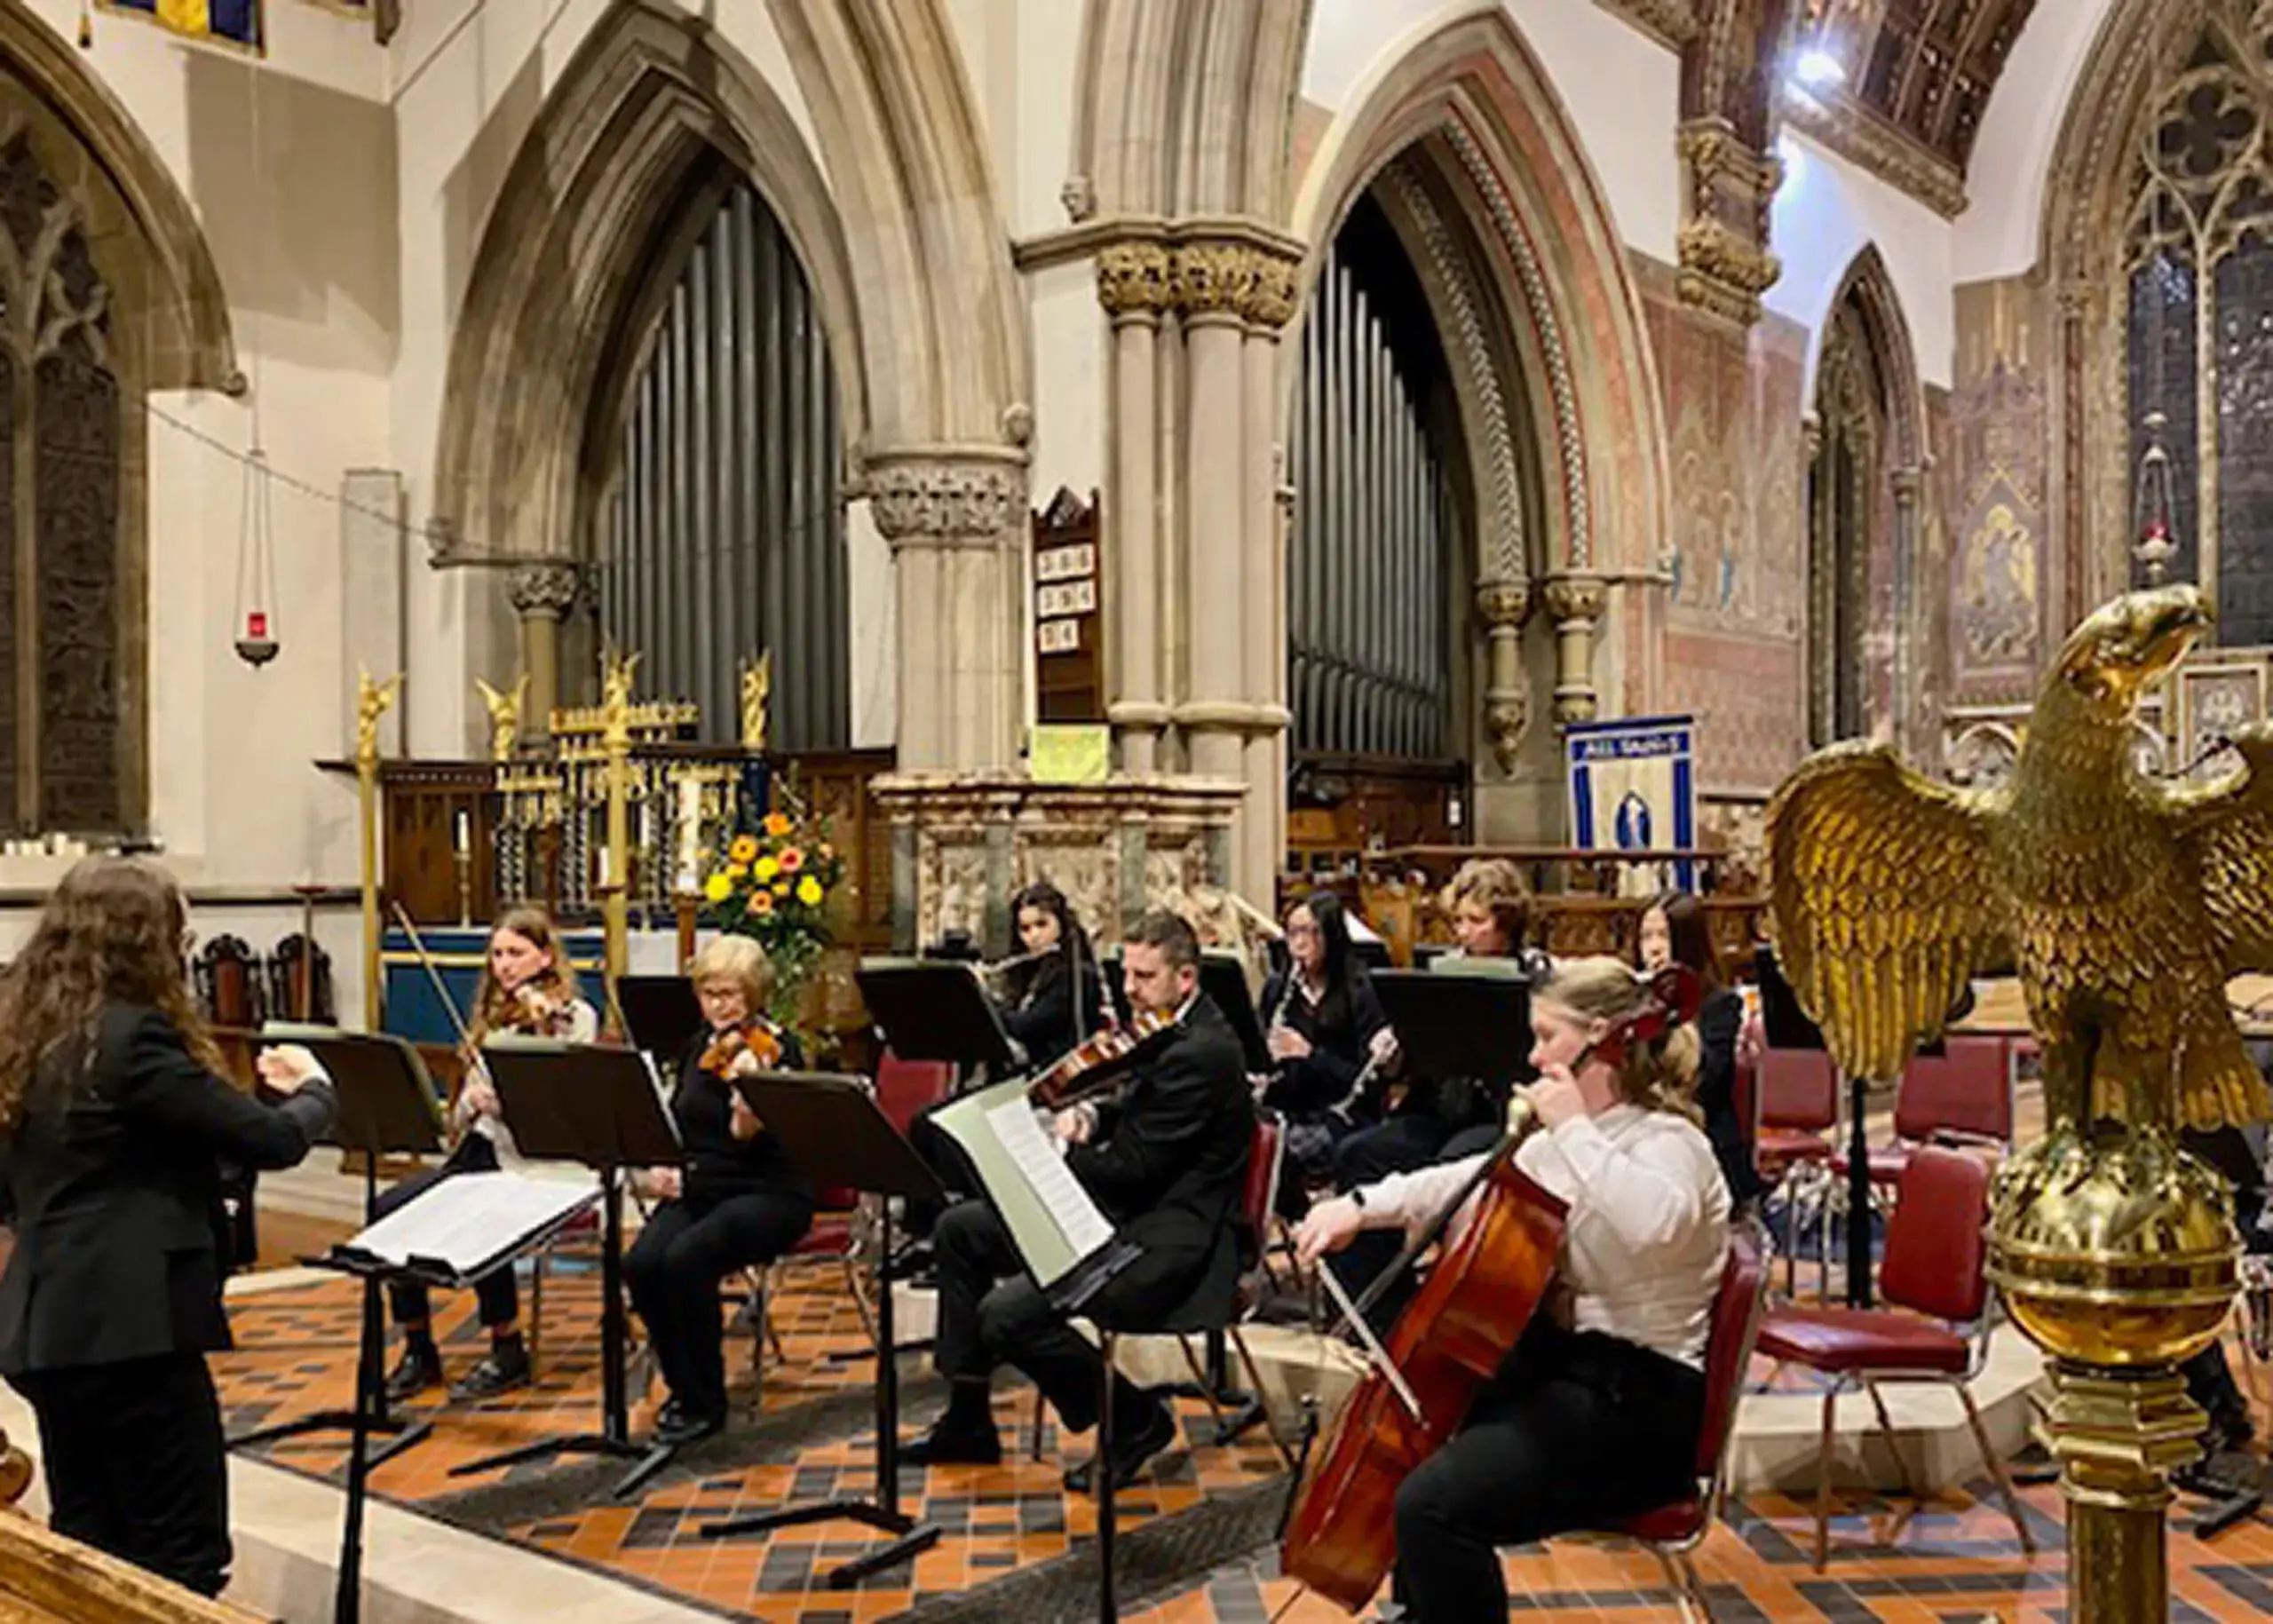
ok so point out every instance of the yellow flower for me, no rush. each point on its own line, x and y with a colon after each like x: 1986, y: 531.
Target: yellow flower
x: 737, y: 871
x: 717, y: 888
x: 743, y: 850
x: 808, y: 891
x: 781, y: 888
x: 765, y: 869
x: 776, y: 825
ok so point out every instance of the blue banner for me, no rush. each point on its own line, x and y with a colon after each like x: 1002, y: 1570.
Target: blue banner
x: 1633, y: 786
x: 227, y: 22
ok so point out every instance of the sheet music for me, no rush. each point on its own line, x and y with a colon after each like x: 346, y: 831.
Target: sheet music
x: 472, y: 1221
x: 1035, y: 1155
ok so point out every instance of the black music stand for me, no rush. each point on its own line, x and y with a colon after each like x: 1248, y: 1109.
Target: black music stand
x: 1787, y: 1026
x: 375, y: 1271
x: 577, y: 1102
x: 935, y: 1009
x: 662, y: 1014
x: 386, y: 1104
x: 835, y: 1134
x: 1459, y: 1026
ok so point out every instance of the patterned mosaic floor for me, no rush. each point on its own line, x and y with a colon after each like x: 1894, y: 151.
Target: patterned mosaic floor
x: 1016, y: 1544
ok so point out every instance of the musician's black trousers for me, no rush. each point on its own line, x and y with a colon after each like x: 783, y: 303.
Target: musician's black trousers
x: 673, y: 1271
x: 1578, y: 1431
x: 136, y: 1465
x: 990, y: 1314
x: 499, y: 1297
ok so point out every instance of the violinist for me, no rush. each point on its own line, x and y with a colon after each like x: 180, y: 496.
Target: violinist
x: 735, y: 1202
x: 1062, y: 998
x: 1167, y: 1164
x: 527, y: 986
x: 1326, y: 1033
x: 1595, y: 1413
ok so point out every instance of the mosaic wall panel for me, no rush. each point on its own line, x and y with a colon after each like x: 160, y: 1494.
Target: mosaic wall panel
x: 2002, y: 461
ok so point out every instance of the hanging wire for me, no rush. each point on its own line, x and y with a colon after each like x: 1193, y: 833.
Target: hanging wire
x: 257, y: 639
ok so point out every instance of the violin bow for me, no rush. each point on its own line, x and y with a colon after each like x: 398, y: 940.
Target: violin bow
x: 434, y: 975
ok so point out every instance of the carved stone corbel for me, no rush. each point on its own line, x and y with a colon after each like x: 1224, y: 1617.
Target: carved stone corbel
x: 1725, y: 265
x: 1575, y: 604
x: 1504, y: 606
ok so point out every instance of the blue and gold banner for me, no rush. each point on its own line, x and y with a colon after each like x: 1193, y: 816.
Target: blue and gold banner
x: 1634, y: 788
x: 225, y: 22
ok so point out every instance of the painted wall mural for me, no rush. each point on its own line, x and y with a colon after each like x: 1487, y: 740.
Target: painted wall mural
x: 1996, y: 585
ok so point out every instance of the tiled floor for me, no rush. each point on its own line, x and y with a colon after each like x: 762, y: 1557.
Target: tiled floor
x: 1954, y: 1560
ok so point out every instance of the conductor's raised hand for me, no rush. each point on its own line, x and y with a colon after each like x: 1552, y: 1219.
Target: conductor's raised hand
x: 285, y: 1067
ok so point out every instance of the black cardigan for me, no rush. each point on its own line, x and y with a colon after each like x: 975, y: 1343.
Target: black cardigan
x: 718, y: 1164
x: 1322, y: 1079
x: 1043, y: 1019
x: 1718, y: 1022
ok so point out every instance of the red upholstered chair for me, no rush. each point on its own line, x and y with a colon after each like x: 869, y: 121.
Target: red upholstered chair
x: 1963, y: 1096
x: 1936, y: 1268
x: 1798, y: 1098
x: 904, y: 1087
x: 833, y: 1241
x: 1671, y: 1533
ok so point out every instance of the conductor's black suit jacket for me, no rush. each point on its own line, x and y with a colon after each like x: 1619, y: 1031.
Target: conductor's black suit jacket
x: 1169, y: 1164
x: 112, y: 1183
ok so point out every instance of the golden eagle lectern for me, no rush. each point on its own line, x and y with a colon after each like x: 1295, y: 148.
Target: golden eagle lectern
x: 2123, y: 903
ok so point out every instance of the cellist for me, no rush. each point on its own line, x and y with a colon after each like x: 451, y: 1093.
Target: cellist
x: 1595, y: 1412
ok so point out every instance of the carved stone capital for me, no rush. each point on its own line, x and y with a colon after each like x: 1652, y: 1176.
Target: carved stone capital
x: 1133, y: 281
x: 1503, y: 603
x: 1577, y: 600
x: 1506, y: 717
x: 548, y: 589
x: 946, y: 498
x: 1725, y: 262
x: 1722, y: 275
x: 1907, y: 483
x: 1233, y: 281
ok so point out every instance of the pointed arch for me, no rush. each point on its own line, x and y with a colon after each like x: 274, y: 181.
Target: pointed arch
x: 1869, y: 286
x: 1465, y: 95
x: 183, y: 309
x: 645, y: 106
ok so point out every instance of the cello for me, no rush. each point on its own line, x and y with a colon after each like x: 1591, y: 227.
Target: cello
x: 1452, y: 1338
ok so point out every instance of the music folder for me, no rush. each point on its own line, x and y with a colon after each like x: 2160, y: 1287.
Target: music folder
x: 468, y: 1225
x: 1066, y: 1243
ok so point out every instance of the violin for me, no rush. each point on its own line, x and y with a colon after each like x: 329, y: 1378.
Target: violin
x: 753, y: 1036
x: 1101, y: 1056
x: 540, y: 1007
x: 1451, y: 1339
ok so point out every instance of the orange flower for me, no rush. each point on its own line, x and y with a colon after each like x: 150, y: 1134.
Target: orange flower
x: 776, y: 825
x: 792, y: 860
x: 761, y: 902
x: 744, y: 850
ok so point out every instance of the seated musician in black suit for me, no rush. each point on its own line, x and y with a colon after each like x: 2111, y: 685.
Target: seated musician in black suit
x: 1168, y: 1163
x: 117, y: 1122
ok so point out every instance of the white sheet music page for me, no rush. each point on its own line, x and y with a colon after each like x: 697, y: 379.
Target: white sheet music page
x: 1038, y: 1159
x: 471, y: 1220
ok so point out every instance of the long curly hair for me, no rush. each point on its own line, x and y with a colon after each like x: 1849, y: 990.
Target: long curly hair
x: 114, y: 931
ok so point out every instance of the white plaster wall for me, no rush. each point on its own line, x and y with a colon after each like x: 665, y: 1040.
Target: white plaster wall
x: 1019, y: 60
x: 234, y: 796
x: 1620, y: 90
x: 1827, y: 212
x: 2001, y: 232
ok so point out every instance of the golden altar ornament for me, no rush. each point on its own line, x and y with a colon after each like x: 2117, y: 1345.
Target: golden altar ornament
x: 2124, y: 904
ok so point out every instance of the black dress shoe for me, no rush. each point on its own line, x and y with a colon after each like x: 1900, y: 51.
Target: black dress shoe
x: 677, y: 1426
x: 419, y: 1368
x: 504, y: 1368
x: 1135, y: 1439
x: 954, y: 1443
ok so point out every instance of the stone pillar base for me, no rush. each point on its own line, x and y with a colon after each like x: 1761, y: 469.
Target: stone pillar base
x: 962, y: 844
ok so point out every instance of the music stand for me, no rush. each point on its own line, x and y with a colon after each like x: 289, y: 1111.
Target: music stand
x: 577, y: 1102
x: 935, y: 1009
x: 386, y: 1103
x: 1223, y: 977
x: 1459, y: 1026
x: 1787, y: 1026
x: 835, y: 1134
x: 662, y: 1014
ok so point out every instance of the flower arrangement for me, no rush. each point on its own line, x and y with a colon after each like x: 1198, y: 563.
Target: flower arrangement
x: 775, y: 887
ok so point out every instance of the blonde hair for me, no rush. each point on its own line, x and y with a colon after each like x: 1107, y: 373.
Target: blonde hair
x: 740, y: 960
x: 495, y: 1009
x: 1657, y: 1076
x: 1494, y: 884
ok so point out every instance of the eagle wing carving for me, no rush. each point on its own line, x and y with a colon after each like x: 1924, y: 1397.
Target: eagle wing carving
x: 1883, y: 901
x: 2226, y: 833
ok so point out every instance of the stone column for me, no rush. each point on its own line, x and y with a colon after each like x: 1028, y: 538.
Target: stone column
x: 1262, y: 852
x: 1507, y: 695
x: 954, y: 518
x: 541, y: 594
x: 1575, y: 602
x: 1213, y: 282
x: 1909, y: 484
x: 1133, y: 287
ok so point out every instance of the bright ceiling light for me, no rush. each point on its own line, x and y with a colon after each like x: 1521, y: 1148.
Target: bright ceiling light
x: 1817, y: 67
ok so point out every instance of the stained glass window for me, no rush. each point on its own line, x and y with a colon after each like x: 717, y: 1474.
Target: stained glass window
x: 62, y: 683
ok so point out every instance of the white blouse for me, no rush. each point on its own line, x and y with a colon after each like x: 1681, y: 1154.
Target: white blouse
x: 583, y: 1027
x: 1648, y: 1231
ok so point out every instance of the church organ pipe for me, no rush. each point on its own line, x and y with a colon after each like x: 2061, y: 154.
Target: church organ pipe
x: 728, y: 536
x: 1367, y: 565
